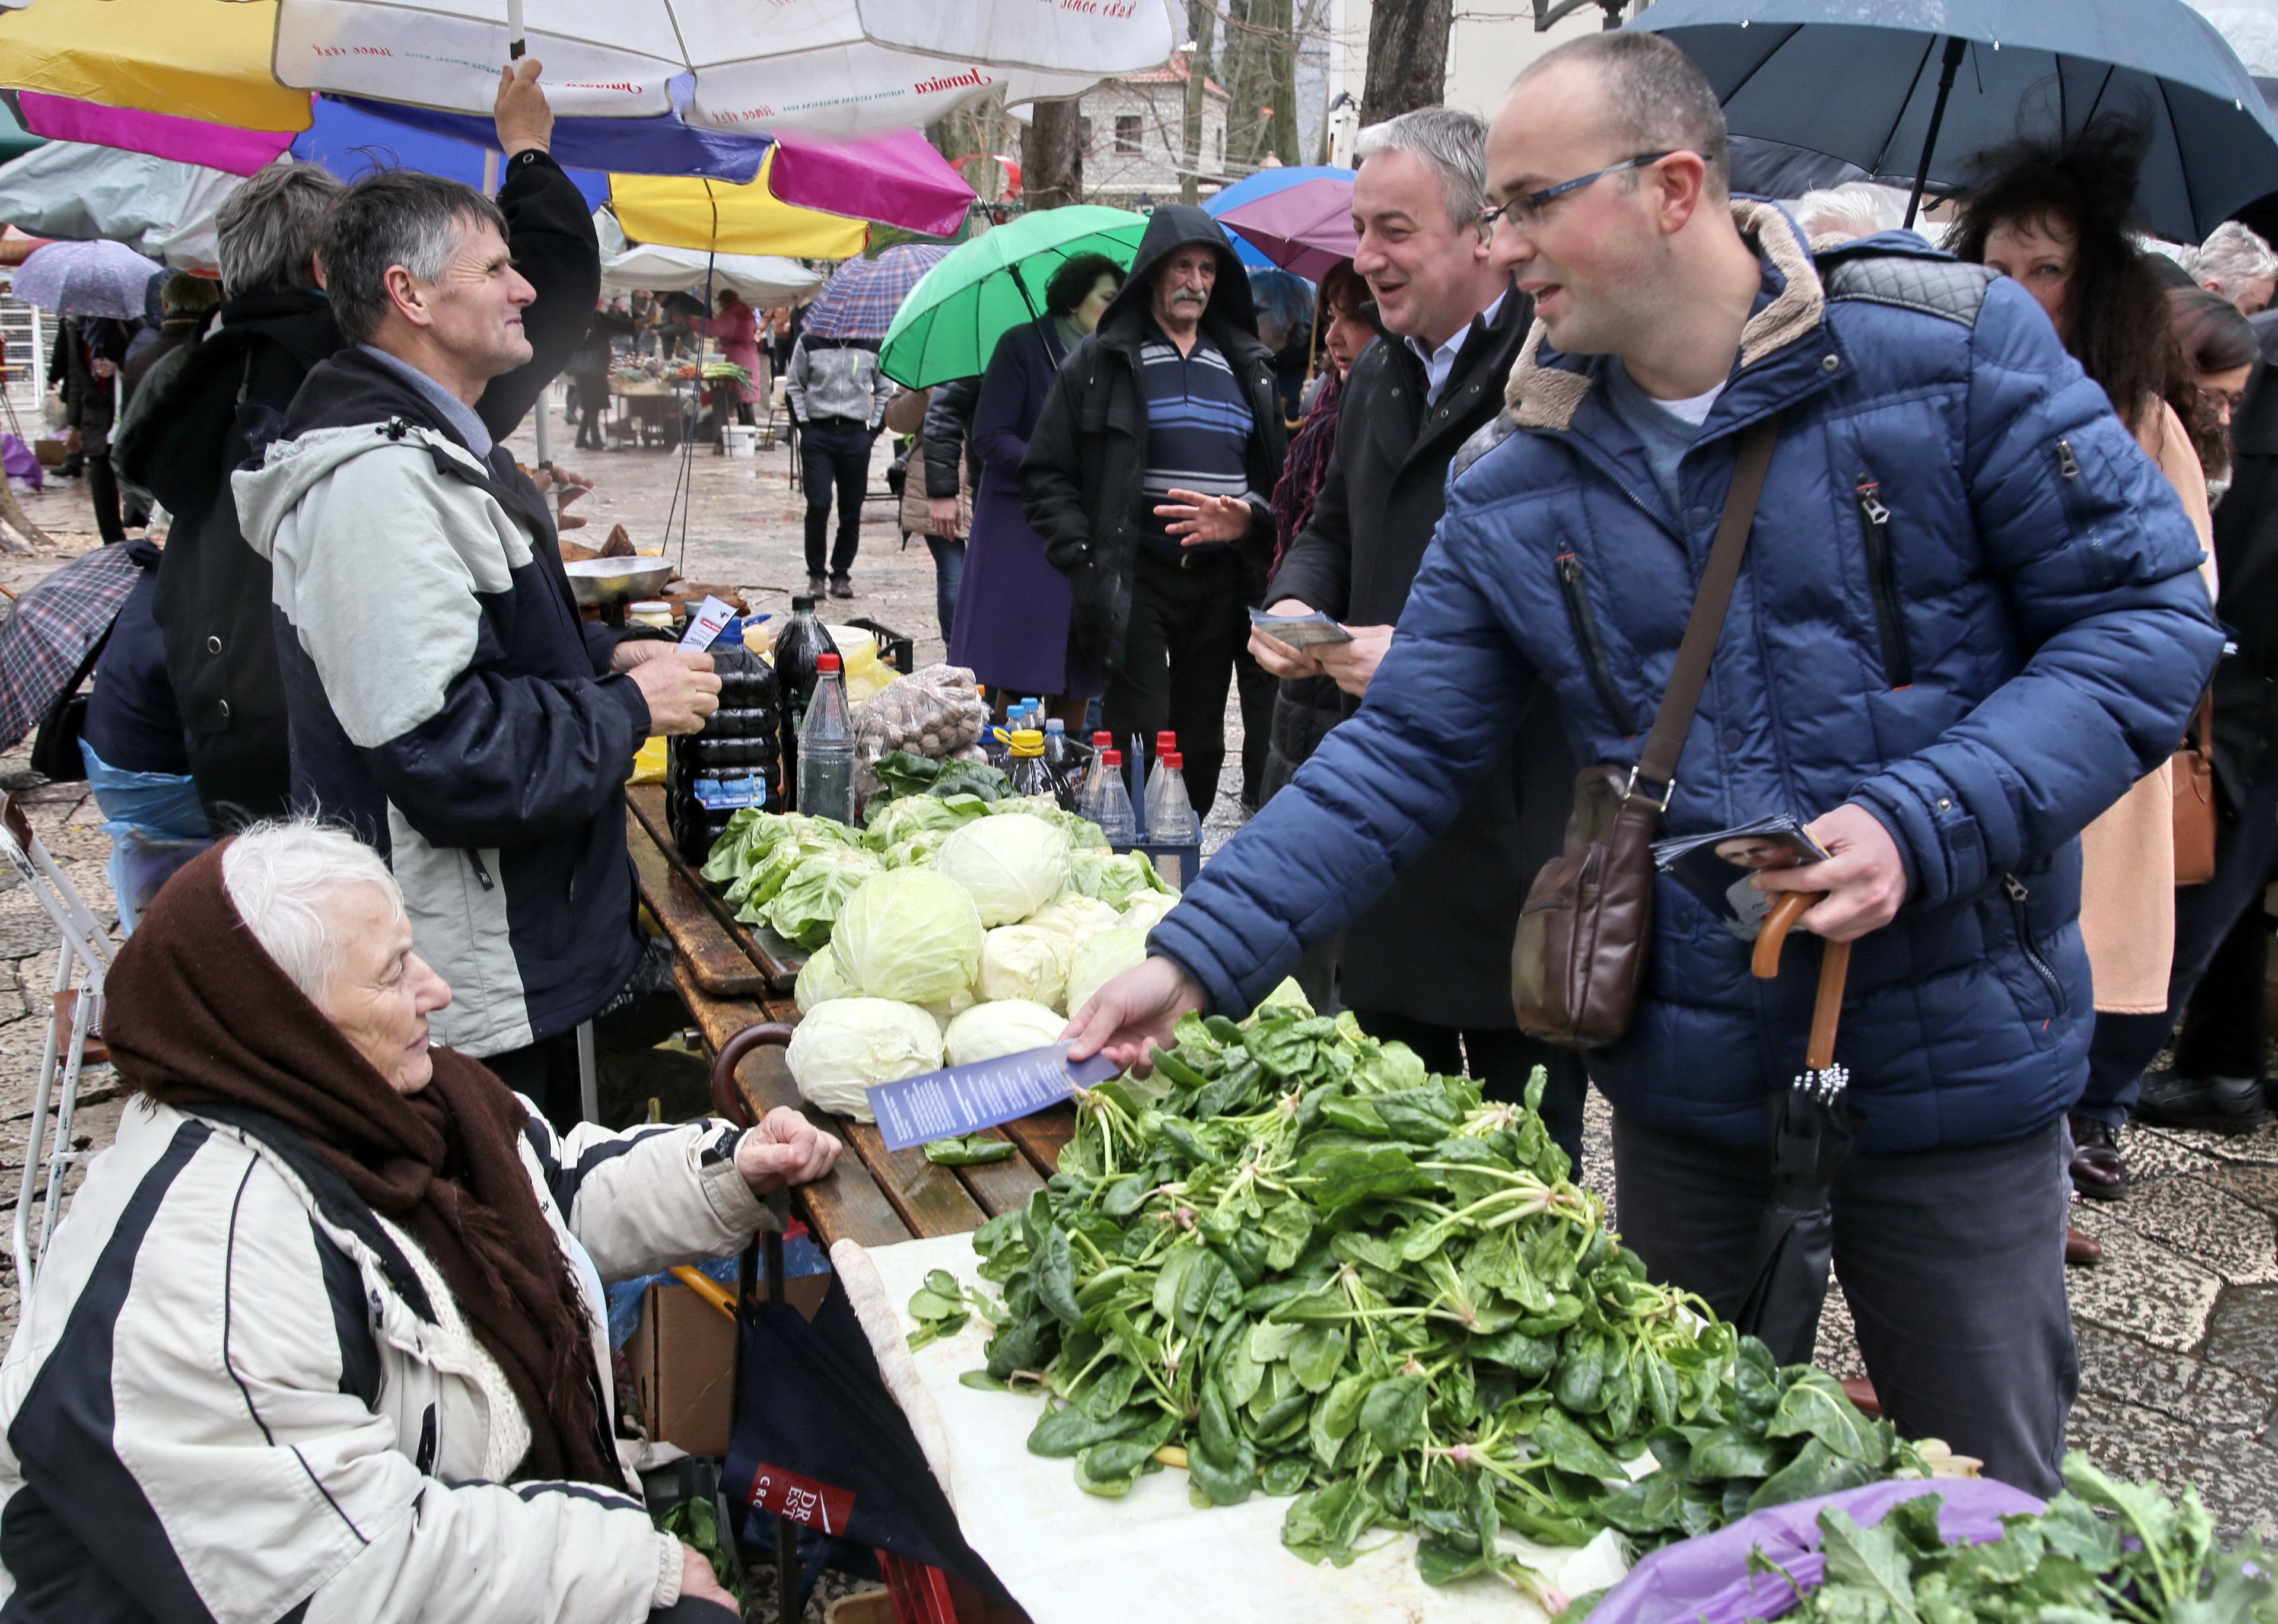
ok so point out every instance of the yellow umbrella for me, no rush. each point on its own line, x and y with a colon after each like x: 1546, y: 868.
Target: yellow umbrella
x: 714, y: 217
x: 206, y: 59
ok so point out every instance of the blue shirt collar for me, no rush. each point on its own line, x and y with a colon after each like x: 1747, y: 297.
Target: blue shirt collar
x: 453, y: 411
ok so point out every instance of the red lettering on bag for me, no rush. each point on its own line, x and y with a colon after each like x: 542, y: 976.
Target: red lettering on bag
x: 801, y: 1500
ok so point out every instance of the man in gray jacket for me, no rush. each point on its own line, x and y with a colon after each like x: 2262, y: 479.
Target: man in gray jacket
x: 838, y: 398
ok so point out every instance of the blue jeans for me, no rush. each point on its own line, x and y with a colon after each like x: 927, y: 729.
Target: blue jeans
x: 155, y: 825
x: 948, y: 575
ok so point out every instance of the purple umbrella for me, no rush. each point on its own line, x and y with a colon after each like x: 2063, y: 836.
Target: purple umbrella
x: 87, y: 279
x: 1299, y: 219
x: 861, y: 298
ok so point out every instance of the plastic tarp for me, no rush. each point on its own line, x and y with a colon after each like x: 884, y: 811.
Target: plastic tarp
x: 1060, y: 1550
x: 154, y: 206
x: 830, y: 67
x: 760, y: 279
x: 206, y: 59
x: 710, y: 216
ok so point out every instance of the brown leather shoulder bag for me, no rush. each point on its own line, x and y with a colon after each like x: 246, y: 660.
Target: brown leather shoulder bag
x: 1580, y: 957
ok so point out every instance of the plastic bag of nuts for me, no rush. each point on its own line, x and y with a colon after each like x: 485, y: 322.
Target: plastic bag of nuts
x: 935, y: 711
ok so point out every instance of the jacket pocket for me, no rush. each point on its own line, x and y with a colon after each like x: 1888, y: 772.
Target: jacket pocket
x: 1576, y: 591
x: 2080, y: 505
x: 2035, y: 962
x: 1882, y: 584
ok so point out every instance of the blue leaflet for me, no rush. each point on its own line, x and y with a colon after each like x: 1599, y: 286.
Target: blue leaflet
x: 966, y: 1099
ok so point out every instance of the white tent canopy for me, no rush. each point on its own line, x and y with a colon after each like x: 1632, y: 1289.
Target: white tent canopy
x: 154, y: 206
x: 760, y: 279
x: 826, y: 67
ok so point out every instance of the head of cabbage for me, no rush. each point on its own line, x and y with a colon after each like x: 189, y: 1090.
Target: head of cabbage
x: 850, y: 1043
x: 1009, y: 1027
x: 1074, y: 918
x: 1114, y: 876
x: 821, y: 979
x: 1013, y: 866
x: 1100, y: 960
x: 911, y: 934
x: 1025, y: 962
x: 1146, y: 909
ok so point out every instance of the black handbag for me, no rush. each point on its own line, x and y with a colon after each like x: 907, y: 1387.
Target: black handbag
x: 55, y: 745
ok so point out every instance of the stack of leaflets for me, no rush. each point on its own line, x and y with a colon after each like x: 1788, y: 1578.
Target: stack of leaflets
x: 1719, y: 868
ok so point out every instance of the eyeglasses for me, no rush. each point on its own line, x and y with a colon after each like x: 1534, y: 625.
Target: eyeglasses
x: 2225, y: 400
x: 1524, y: 212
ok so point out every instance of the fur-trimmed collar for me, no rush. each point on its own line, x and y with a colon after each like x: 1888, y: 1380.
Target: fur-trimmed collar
x: 1538, y: 397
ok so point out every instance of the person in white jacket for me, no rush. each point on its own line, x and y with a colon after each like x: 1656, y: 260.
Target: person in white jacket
x: 322, y: 1338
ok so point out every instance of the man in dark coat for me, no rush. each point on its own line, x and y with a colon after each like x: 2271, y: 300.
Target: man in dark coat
x: 1430, y: 962
x: 88, y: 353
x: 276, y: 325
x: 1148, y: 479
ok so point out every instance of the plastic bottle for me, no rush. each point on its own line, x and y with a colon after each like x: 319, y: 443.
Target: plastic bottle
x: 1109, y: 802
x: 826, y: 747
x: 799, y: 647
x: 1166, y: 744
x: 1171, y: 817
x: 1062, y: 762
x: 1026, y: 768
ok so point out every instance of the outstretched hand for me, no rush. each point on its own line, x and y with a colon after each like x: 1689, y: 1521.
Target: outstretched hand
x: 1133, y: 1013
x: 525, y: 118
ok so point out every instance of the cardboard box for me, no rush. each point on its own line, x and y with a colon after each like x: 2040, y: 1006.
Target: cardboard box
x: 683, y: 1361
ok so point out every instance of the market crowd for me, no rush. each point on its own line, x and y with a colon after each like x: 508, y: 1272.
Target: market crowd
x: 342, y: 1276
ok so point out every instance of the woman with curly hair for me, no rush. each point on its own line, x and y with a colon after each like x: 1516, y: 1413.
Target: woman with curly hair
x: 2055, y: 218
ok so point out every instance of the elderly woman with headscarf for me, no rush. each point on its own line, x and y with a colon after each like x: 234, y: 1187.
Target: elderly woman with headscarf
x: 322, y: 1335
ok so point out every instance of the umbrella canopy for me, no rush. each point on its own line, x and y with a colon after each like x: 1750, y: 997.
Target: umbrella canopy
x: 87, y: 279
x: 162, y: 208
x: 864, y: 294
x: 949, y: 325
x: 830, y: 67
x: 760, y: 279
x: 50, y: 630
x: 713, y: 216
x: 1953, y: 79
x: 161, y: 135
x: 661, y: 145
x: 899, y: 180
x: 1300, y: 220
x: 353, y: 141
x: 204, y: 59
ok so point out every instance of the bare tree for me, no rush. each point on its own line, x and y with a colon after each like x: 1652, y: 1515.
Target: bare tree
x: 1051, y: 156
x: 1201, y: 20
x: 1407, y: 56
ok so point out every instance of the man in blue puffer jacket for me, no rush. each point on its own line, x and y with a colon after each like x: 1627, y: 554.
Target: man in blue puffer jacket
x: 1950, y: 721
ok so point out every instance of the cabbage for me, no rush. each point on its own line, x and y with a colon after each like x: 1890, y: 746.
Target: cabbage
x: 1114, y: 876
x: 1012, y: 865
x: 1006, y: 1028
x: 916, y: 814
x: 916, y: 852
x: 945, y: 1011
x: 1147, y: 910
x: 1081, y: 832
x: 804, y: 908
x: 911, y: 935
x: 850, y: 1043
x: 821, y: 979
x: 1026, y: 963
x: 1075, y: 918
x: 752, y: 836
x: 1100, y: 960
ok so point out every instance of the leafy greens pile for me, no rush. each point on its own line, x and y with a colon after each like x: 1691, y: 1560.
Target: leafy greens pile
x: 1293, y: 1262
x: 2102, y: 1550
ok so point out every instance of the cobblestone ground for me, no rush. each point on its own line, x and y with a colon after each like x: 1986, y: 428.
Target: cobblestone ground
x: 2178, y: 1327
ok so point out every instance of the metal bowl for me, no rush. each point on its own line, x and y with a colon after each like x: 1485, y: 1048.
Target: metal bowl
x: 603, y: 581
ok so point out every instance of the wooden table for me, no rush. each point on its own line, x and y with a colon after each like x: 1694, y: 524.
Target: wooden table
x: 875, y: 1197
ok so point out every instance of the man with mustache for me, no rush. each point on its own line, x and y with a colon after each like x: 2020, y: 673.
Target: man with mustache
x: 1147, y: 478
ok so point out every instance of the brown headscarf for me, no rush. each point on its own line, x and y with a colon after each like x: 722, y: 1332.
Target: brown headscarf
x: 198, y: 1013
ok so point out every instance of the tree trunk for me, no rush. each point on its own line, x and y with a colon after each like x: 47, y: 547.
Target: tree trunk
x: 1051, y: 156
x: 1407, y: 56
x: 1281, y: 75
x: 1202, y: 18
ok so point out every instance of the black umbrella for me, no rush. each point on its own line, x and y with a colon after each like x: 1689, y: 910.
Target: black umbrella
x: 1814, y: 1124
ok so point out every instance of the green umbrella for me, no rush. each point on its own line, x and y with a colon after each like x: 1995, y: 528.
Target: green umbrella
x: 949, y: 325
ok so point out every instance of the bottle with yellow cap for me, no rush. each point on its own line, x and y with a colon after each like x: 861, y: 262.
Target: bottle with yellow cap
x: 1025, y: 768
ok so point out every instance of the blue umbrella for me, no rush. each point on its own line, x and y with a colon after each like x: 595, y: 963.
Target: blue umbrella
x: 352, y: 140
x: 1916, y: 90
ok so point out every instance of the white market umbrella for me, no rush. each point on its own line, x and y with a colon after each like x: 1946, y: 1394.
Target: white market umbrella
x: 762, y: 280
x: 840, y: 68
x: 154, y: 206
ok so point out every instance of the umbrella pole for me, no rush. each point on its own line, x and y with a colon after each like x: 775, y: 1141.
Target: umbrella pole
x: 513, y: 42
x: 1954, y: 47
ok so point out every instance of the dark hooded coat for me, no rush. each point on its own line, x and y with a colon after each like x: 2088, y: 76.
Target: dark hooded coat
x: 1082, y: 482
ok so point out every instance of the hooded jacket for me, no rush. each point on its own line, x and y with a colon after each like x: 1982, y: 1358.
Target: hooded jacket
x: 1081, y: 480
x: 2028, y: 644
x: 447, y: 701
x: 191, y: 428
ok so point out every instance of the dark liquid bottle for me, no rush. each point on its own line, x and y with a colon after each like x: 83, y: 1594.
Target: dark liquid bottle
x: 801, y: 644
x: 1062, y: 762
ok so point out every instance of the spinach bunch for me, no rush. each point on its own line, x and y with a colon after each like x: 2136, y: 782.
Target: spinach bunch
x: 2102, y: 1550
x: 1295, y: 1263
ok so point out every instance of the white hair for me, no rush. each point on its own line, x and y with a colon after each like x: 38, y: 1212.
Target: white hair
x: 1856, y: 209
x: 280, y: 877
x: 2234, y: 257
x: 1452, y: 143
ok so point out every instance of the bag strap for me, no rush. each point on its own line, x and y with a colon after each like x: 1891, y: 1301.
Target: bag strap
x: 1656, y: 766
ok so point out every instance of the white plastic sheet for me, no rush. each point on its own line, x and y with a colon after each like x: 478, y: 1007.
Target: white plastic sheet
x: 762, y: 280
x: 830, y: 67
x: 153, y: 205
x: 1150, y: 1557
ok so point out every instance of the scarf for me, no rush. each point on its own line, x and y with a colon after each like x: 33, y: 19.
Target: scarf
x: 196, y: 1013
x: 1306, y: 465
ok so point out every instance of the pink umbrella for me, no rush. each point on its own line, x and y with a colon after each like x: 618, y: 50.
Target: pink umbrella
x: 899, y: 179
x: 162, y: 136
x: 1302, y: 220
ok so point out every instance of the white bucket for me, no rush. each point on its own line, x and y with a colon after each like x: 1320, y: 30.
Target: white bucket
x: 741, y: 440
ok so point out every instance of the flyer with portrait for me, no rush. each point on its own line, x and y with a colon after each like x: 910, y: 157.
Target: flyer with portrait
x: 1719, y: 867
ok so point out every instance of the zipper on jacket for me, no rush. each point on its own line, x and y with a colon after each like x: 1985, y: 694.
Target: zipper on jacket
x: 1897, y: 662
x: 482, y: 875
x: 2068, y: 464
x: 2017, y: 896
x: 1594, y: 647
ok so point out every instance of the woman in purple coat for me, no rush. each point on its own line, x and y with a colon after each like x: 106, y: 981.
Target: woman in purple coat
x: 1012, y: 625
